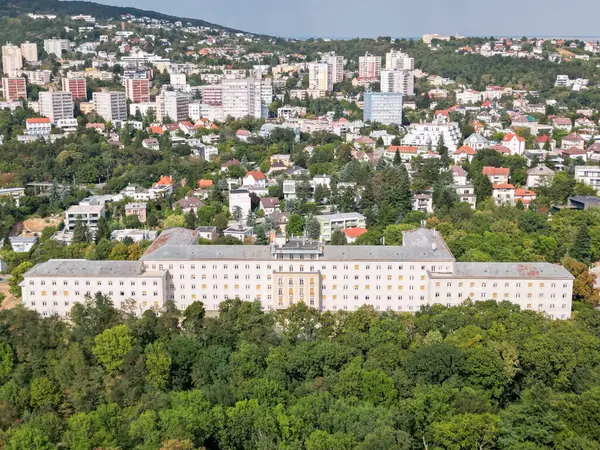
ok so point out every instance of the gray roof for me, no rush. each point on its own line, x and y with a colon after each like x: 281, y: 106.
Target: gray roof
x: 419, y: 245
x: 476, y: 137
x: 173, y: 236
x: 508, y: 270
x: 84, y: 268
x: 340, y: 216
x: 540, y: 170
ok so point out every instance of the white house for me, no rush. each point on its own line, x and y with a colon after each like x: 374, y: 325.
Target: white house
x: 240, y: 198
x: 539, y: 176
x: 515, y: 143
x: 255, y: 179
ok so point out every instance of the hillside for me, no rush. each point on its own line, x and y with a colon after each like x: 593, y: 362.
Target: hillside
x: 15, y: 7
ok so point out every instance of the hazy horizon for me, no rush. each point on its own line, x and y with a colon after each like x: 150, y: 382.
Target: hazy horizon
x: 335, y: 20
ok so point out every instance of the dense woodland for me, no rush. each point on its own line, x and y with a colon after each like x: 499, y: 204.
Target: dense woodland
x: 486, y: 376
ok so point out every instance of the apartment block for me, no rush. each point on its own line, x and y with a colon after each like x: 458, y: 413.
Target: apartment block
x: 56, y: 105
x: 14, y: 88
x: 319, y: 77
x: 137, y: 90
x: 29, y: 51
x: 589, y: 175
x: 331, y: 222
x: 76, y: 86
x: 88, y: 214
x: 247, y: 97
x: 383, y: 107
x: 56, y: 46
x: 173, y: 106
x: 369, y: 67
x: 12, y: 59
x: 111, y: 106
x: 397, y: 80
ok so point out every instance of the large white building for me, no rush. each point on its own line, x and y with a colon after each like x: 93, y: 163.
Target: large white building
x: 29, y: 51
x: 331, y: 222
x: 589, y: 175
x: 240, y: 198
x: 397, y: 80
x: 383, y: 107
x: 396, y: 60
x: 319, y: 77
x: 335, y: 65
x: 12, y: 59
x: 111, y: 106
x: 56, y: 105
x: 247, y: 97
x: 56, y: 46
x: 427, y: 135
x: 172, y: 105
x: 87, y: 214
x: 419, y: 273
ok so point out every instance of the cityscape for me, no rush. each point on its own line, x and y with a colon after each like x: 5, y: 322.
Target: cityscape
x: 216, y: 239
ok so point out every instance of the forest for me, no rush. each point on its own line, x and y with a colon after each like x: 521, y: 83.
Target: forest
x: 481, y: 376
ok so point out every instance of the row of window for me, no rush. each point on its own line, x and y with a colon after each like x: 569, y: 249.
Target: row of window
x: 301, y: 268
x: 77, y: 293
x: 88, y: 283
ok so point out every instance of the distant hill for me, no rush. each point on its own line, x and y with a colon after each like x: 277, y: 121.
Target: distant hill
x: 15, y: 7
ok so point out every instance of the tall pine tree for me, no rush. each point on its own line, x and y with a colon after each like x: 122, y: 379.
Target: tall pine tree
x: 582, y: 247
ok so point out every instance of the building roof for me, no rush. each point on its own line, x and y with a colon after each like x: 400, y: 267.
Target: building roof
x: 205, y: 183
x: 339, y: 216
x: 173, y: 237
x: 255, y: 174
x: 573, y: 137
x: 562, y: 121
x: 353, y: 233
x: 494, y: 171
x: 477, y: 138
x: 458, y: 171
x: 85, y: 209
x: 540, y: 171
x: 520, y: 192
x: 206, y: 229
x: 190, y: 202
x: 165, y: 180
x: 38, y: 120
x: 269, y: 202
x: 500, y: 148
x: 510, y: 136
x: 402, y: 149
x: 503, y: 186
x: 467, y: 150
x: 85, y: 268
x: 507, y: 270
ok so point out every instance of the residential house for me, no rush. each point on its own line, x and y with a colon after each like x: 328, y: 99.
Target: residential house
x: 352, y: 234
x: 525, y: 196
x: 466, y: 194
x: 137, y: 209
x: 594, y: 152
x: 254, y: 179
x: 544, y: 141
x: 22, y: 244
x: 477, y: 142
x: 208, y: 233
x: 151, y: 144
x: 539, y: 176
x: 574, y: 153
x: 562, y: 123
x: 240, y: 198
x: 503, y: 194
x: 243, y: 135
x: 38, y: 126
x: 584, y: 202
x: 423, y: 202
x: 188, y: 204
x: 239, y: 232
x: 515, y: 143
x: 573, y: 140
x: 134, y: 234
x: 459, y: 175
x: 496, y: 175
x: 269, y: 205
x: 286, y: 160
x: 464, y: 153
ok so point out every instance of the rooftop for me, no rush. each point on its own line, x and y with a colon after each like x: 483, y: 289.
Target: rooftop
x: 84, y: 268
x: 507, y: 270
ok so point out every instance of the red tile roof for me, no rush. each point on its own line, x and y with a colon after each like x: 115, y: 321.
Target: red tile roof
x: 354, y: 232
x: 510, y: 136
x: 500, y: 148
x: 487, y: 170
x: 402, y: 149
x: 503, y: 186
x: 466, y: 149
x: 255, y: 174
x: 165, y: 180
x: 205, y: 183
x: 38, y: 120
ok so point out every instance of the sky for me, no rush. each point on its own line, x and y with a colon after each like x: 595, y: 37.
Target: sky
x: 396, y: 18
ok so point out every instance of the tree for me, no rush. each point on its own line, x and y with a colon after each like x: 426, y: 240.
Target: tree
x: 467, y: 431
x: 80, y: 233
x: 193, y: 318
x: 582, y: 247
x: 338, y: 238
x: 17, y: 277
x: 111, y: 347
x: 397, y: 159
x: 102, y: 231
x: 6, y: 361
x: 27, y: 436
x: 175, y: 221
x: 312, y: 227
x: 295, y: 225
x: 237, y: 214
x: 158, y: 365
x: 43, y: 393
x: 190, y: 220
